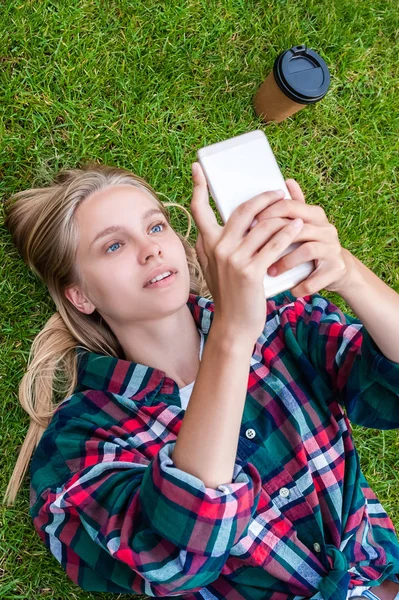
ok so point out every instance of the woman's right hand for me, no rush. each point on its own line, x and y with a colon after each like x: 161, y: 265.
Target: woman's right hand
x: 235, y: 260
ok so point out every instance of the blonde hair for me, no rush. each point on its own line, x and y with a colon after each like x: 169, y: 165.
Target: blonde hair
x: 41, y: 222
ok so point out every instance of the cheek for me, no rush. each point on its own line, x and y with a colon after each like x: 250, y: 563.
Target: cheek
x: 180, y: 252
x: 104, y: 280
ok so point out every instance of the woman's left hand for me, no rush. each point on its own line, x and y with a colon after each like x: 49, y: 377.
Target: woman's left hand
x: 319, y: 242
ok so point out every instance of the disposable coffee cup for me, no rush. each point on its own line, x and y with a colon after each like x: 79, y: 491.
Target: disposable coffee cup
x: 299, y: 77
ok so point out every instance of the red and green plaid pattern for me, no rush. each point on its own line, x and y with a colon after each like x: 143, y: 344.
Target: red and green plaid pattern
x: 298, y: 519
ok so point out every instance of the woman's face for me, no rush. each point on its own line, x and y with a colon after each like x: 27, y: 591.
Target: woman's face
x: 115, y: 266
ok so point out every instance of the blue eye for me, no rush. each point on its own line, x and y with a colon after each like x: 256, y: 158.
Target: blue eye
x: 114, y: 244
x: 158, y: 224
x: 162, y: 224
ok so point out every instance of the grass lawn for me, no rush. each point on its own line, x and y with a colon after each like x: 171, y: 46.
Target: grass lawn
x: 143, y: 84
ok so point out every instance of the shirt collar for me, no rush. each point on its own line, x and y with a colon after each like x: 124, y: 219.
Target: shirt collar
x: 130, y: 379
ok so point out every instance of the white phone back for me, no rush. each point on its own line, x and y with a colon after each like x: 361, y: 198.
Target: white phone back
x: 238, y: 169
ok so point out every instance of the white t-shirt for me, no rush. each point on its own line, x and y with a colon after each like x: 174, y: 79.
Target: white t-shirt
x: 185, y: 392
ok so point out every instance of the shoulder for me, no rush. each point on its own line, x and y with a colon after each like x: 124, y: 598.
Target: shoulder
x: 77, y: 421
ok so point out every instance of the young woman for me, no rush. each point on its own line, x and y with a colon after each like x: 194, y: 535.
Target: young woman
x: 197, y: 442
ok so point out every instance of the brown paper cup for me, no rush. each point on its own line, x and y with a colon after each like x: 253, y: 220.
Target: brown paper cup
x: 271, y: 104
x: 299, y: 77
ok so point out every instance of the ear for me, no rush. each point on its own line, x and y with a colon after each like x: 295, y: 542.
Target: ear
x: 79, y: 300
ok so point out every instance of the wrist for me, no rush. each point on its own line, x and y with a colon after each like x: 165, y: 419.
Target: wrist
x: 355, y: 278
x: 230, y: 338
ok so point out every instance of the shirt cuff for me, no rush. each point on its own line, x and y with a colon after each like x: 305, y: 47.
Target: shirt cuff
x: 199, y: 519
x: 382, y: 368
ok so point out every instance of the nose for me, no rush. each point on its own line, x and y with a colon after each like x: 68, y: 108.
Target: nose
x: 150, y: 248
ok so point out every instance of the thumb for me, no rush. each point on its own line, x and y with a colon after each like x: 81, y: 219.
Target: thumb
x: 295, y: 190
x: 202, y: 212
x: 199, y: 247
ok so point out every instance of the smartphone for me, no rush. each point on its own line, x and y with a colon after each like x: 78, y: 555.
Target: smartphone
x: 238, y: 169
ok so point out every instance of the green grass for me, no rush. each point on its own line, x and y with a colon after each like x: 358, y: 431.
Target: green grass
x: 143, y: 84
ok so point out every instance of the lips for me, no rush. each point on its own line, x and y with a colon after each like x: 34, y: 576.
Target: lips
x: 159, y: 271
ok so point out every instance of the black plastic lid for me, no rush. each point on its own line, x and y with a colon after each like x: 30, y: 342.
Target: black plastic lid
x: 301, y: 74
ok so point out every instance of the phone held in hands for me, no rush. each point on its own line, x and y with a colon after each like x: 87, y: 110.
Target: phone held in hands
x: 238, y: 169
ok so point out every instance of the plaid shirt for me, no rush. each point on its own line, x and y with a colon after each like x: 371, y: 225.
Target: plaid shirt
x: 298, y: 519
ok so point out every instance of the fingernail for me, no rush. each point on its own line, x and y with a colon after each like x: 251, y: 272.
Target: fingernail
x: 298, y: 223
x: 254, y: 222
x: 280, y: 192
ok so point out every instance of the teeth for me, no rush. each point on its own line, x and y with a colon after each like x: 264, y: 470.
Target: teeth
x: 162, y: 276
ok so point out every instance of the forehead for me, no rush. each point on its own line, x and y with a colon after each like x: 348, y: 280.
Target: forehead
x: 116, y: 196
x: 118, y: 205
x: 124, y: 201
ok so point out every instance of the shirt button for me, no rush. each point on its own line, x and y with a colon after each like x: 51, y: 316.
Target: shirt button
x: 316, y: 546
x: 250, y: 433
x: 284, y: 492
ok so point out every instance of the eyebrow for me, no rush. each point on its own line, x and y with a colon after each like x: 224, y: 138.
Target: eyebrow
x: 115, y: 228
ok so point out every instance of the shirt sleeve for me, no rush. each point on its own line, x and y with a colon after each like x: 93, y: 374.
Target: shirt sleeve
x: 344, y: 354
x: 121, y: 523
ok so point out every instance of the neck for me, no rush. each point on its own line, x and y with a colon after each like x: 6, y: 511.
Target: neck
x: 170, y: 344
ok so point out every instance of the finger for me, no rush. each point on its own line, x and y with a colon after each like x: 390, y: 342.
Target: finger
x: 263, y: 233
x: 202, y: 212
x: 295, y: 190
x: 317, y: 281
x: 199, y: 247
x: 305, y: 252
x: 317, y: 233
x: 293, y: 210
x: 308, y: 234
x: 276, y: 244
x: 256, y: 220
x: 243, y: 215
x: 276, y: 224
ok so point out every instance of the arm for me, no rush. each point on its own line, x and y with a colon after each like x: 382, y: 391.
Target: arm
x: 359, y: 359
x: 376, y: 305
x: 207, y: 442
x: 337, y: 348
x: 119, y: 521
